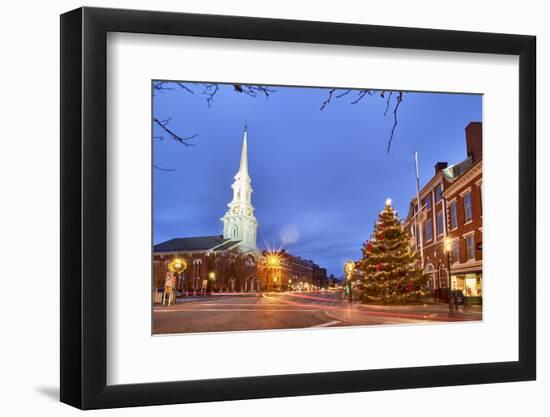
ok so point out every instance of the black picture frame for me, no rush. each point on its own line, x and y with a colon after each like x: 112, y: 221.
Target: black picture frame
x: 84, y: 207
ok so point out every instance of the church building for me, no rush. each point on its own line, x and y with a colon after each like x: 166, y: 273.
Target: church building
x: 225, y: 262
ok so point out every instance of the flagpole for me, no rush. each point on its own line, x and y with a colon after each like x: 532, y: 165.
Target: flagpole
x: 418, y: 227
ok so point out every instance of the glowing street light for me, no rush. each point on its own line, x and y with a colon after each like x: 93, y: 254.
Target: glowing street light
x: 447, y: 244
x: 177, y: 266
x: 447, y: 248
x: 273, y: 261
x: 349, y: 268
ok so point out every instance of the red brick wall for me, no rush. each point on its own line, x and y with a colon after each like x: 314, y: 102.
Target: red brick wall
x: 477, y: 218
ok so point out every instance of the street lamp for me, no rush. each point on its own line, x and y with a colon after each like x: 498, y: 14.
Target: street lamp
x: 212, y: 278
x: 349, y: 267
x: 447, y: 248
x: 176, y: 266
x: 273, y: 261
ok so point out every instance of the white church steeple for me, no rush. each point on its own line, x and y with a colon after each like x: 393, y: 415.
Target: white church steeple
x: 239, y: 222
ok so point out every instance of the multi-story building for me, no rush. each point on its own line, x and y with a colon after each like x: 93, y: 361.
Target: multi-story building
x: 450, y: 208
x: 428, y: 229
x: 281, y: 271
x: 320, y: 279
x: 465, y: 217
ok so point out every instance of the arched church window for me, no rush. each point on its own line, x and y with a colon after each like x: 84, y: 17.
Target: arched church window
x: 235, y: 232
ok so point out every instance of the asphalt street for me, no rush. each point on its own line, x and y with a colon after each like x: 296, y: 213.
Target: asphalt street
x: 221, y: 313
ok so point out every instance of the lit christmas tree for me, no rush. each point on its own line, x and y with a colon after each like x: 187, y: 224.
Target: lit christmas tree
x: 389, y: 271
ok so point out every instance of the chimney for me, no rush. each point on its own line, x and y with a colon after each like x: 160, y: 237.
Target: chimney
x: 439, y: 166
x: 474, y: 141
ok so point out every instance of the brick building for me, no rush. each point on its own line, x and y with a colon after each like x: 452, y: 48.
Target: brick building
x: 213, y: 264
x: 290, y: 272
x: 450, y: 207
x: 465, y: 217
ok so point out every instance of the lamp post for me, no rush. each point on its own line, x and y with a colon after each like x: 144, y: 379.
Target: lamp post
x: 447, y: 247
x: 212, y: 279
x: 176, y: 266
x: 273, y: 262
x: 349, y: 267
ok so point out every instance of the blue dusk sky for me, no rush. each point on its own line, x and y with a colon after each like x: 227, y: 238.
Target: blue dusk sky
x: 320, y: 178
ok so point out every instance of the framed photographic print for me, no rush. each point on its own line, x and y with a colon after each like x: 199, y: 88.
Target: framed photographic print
x: 257, y: 208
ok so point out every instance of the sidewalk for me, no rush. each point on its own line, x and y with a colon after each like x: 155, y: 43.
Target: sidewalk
x: 368, y: 314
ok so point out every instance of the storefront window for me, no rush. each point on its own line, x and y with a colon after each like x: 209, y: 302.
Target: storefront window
x: 457, y: 282
x: 472, y: 284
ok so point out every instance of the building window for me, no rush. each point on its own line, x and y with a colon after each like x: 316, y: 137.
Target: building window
x: 468, y: 206
x: 438, y: 192
x: 456, y: 252
x: 470, y: 247
x: 428, y: 203
x: 472, y: 285
x: 416, y: 235
x: 439, y: 223
x: 429, y: 230
x: 453, y: 215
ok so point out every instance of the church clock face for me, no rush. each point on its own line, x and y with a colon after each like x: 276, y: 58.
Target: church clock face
x: 235, y: 210
x: 249, y: 212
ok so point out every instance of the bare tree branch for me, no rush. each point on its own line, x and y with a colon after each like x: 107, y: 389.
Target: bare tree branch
x: 163, y: 169
x: 181, y: 139
x: 343, y: 94
x: 398, y: 102
x: 253, y: 90
x: 182, y: 85
x: 361, y: 94
x: 388, y: 102
x: 328, y: 99
x: 164, y: 85
x: 210, y: 91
